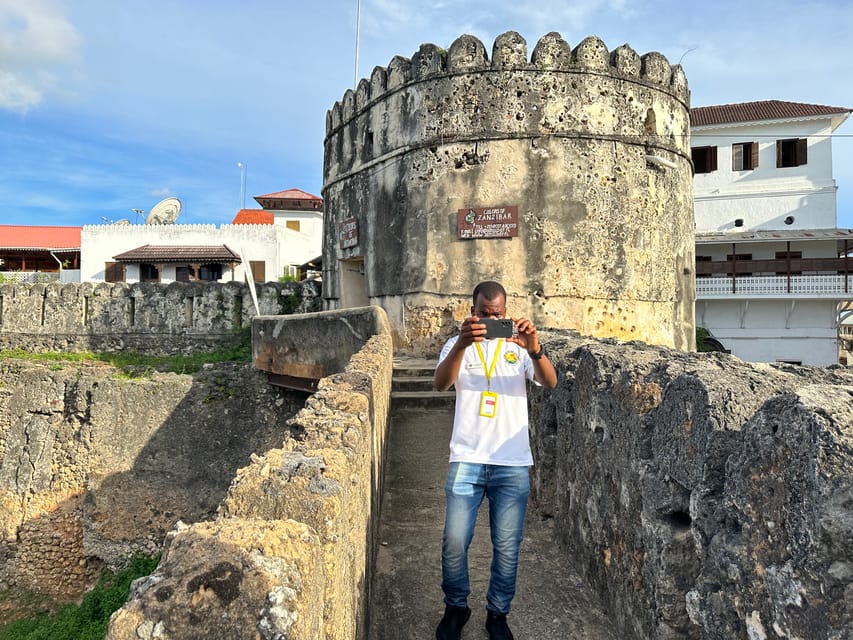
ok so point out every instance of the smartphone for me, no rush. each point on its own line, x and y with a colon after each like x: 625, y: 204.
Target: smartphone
x: 497, y: 327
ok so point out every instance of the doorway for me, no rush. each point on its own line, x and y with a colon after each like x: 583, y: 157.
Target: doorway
x: 353, y: 284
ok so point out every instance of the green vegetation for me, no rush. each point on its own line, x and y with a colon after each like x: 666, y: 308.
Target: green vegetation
x: 139, y: 365
x: 701, y: 335
x: 89, y: 619
x: 290, y: 303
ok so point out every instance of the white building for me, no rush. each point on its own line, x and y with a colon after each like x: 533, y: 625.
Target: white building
x: 270, y: 242
x: 771, y: 266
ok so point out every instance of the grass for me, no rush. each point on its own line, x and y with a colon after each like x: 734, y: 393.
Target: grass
x: 135, y: 364
x: 89, y: 619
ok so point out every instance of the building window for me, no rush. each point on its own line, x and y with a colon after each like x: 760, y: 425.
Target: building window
x: 702, y: 274
x: 791, y: 152
x: 744, y: 156
x: 292, y: 224
x: 148, y: 273
x: 114, y: 272
x: 210, y: 272
x: 704, y: 159
x: 182, y: 274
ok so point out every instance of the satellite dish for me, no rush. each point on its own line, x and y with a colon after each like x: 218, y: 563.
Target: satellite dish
x: 164, y: 212
x: 122, y: 221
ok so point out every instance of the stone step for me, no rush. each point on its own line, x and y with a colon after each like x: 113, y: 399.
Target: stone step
x: 411, y: 383
x: 422, y: 399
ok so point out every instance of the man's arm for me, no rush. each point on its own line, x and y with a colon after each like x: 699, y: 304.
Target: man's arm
x: 528, y: 338
x: 448, y: 369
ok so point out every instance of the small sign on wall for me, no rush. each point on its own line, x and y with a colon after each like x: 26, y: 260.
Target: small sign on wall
x: 487, y: 222
x: 348, y: 233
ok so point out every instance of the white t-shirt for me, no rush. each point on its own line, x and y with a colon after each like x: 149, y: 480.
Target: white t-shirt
x: 502, y: 439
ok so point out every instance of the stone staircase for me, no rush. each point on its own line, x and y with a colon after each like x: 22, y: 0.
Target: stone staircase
x: 412, y: 385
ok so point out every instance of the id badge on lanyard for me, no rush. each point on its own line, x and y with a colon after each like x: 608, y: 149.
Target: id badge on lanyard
x: 489, y: 399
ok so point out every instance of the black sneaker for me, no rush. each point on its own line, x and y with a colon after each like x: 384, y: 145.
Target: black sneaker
x: 497, y: 627
x: 450, y: 627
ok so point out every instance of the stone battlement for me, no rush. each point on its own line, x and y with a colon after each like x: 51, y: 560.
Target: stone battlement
x: 476, y: 89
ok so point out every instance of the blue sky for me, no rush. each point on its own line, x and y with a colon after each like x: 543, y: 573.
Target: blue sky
x: 108, y: 106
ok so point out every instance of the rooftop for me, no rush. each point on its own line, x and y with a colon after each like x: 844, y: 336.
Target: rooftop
x: 39, y: 238
x: 760, y: 111
x: 253, y: 216
x: 178, y: 253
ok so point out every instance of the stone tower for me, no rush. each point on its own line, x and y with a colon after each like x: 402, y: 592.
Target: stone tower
x: 567, y: 177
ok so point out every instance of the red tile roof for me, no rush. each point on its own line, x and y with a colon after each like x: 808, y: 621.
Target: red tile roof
x: 290, y: 194
x: 253, y: 216
x: 758, y: 111
x: 290, y: 200
x: 21, y: 237
x: 178, y: 253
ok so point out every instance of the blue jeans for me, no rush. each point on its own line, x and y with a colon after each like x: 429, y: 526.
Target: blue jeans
x: 507, y: 489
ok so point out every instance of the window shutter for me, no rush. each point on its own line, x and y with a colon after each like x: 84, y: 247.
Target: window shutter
x: 712, y: 152
x: 114, y: 272
x: 802, y: 151
x: 737, y: 157
x: 754, y: 147
x: 258, y: 268
x: 778, y: 153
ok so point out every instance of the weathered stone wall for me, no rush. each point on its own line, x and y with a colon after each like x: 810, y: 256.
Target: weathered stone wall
x: 144, y: 317
x: 95, y: 467
x: 591, y: 145
x: 289, y: 552
x: 704, y: 497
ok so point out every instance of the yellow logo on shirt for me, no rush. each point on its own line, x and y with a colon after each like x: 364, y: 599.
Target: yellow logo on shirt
x: 510, y: 357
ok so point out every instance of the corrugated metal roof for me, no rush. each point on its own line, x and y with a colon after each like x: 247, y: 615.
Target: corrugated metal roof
x: 43, y: 238
x: 253, y: 216
x: 759, y: 111
x: 178, y: 253
x: 770, y: 235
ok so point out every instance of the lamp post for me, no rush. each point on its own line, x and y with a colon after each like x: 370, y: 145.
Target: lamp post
x: 243, y: 169
x: 138, y: 213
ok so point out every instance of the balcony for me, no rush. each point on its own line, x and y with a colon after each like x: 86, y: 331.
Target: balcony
x: 813, y: 286
x: 829, y: 278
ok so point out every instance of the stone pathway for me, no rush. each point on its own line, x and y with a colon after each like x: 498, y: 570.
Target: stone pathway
x: 406, y: 603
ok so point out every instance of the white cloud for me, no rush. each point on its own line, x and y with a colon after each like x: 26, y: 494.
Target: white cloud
x: 36, y: 40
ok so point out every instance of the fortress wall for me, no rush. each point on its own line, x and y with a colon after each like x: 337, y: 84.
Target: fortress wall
x: 96, y: 467
x: 605, y: 234
x: 290, y: 550
x: 145, y: 317
x: 703, y: 496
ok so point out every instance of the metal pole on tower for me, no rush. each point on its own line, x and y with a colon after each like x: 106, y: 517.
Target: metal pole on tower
x: 357, y: 34
x: 243, y: 169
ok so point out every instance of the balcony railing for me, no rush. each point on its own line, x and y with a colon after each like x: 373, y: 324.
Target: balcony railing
x: 817, y: 285
x: 39, y: 277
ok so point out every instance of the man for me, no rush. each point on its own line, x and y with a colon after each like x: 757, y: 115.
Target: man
x: 489, y: 454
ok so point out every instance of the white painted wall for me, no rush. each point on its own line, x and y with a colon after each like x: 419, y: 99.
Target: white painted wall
x: 771, y: 330
x: 274, y: 244
x: 765, y: 196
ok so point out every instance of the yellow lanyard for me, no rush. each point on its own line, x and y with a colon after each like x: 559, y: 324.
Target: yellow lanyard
x: 489, y: 370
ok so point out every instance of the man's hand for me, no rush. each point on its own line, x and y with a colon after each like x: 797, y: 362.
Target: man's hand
x: 527, y: 337
x: 472, y: 331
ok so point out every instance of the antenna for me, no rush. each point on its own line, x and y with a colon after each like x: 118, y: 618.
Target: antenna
x: 164, y: 212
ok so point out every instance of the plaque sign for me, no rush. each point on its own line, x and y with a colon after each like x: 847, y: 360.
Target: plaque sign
x: 487, y: 222
x: 348, y: 233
